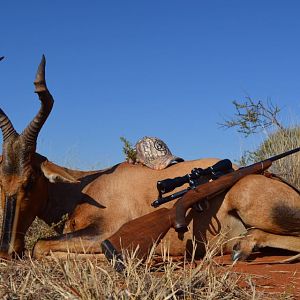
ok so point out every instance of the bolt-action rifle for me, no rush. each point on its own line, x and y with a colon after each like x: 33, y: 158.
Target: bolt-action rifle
x: 142, y: 233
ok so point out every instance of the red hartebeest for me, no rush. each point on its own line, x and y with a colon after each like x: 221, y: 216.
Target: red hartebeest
x: 99, y: 202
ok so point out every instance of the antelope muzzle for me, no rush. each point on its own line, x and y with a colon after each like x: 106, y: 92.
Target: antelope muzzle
x: 8, y: 245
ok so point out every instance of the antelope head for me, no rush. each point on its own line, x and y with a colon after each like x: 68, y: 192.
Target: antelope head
x: 24, y: 174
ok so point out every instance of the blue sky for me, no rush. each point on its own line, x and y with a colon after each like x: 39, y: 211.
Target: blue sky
x: 159, y: 68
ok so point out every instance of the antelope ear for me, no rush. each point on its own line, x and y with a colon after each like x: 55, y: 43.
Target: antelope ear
x: 56, y: 174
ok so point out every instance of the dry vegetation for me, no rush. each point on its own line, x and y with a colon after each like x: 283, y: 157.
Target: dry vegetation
x: 279, y: 142
x: 166, y: 278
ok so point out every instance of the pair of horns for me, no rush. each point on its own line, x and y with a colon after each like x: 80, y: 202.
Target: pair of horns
x: 31, y: 132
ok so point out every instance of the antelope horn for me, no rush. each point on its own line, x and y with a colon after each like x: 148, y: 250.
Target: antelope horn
x: 31, y: 132
x: 6, y: 126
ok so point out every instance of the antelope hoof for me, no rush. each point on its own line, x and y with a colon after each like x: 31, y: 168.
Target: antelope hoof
x: 240, y: 253
x: 40, y: 82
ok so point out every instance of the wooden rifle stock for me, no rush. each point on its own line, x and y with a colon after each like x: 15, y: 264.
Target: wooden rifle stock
x: 142, y: 233
x: 139, y: 234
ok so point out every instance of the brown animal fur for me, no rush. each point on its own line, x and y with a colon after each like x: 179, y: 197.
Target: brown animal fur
x: 264, y: 211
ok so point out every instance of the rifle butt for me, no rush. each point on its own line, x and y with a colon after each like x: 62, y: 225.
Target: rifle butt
x: 138, y: 235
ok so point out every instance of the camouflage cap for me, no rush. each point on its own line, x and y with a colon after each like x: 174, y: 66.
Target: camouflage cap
x: 154, y: 153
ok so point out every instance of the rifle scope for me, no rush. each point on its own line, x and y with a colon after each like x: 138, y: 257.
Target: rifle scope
x: 168, y: 185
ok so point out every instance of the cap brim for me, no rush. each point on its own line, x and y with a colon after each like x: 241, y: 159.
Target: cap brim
x: 163, y: 162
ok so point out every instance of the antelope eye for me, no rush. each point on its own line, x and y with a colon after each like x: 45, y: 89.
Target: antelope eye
x: 29, y: 185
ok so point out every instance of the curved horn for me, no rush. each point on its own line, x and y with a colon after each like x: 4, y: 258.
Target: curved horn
x: 6, y: 126
x: 31, y: 132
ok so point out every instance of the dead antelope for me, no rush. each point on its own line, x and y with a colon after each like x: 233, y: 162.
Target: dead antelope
x: 99, y: 202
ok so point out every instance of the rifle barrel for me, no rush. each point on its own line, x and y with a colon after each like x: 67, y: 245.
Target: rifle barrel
x: 279, y: 156
x: 222, y: 183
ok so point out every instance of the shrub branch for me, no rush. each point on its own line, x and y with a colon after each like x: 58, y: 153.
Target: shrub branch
x: 252, y: 117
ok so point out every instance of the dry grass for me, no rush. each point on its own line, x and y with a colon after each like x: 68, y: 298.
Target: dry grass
x: 276, y: 143
x: 94, y: 279
x: 282, y: 141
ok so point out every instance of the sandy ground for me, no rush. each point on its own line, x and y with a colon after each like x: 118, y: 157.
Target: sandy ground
x: 266, y: 276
